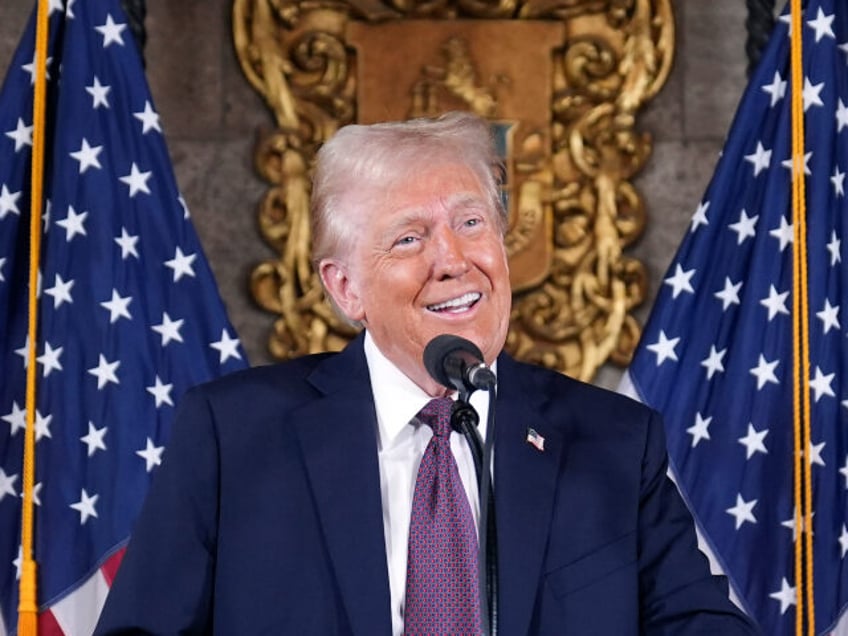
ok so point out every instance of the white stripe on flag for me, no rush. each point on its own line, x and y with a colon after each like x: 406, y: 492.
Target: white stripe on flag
x: 78, y: 612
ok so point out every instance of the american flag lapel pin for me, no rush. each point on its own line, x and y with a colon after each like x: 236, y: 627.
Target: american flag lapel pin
x: 535, y: 440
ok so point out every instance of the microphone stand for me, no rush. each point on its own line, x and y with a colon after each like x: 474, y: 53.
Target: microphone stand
x: 464, y: 419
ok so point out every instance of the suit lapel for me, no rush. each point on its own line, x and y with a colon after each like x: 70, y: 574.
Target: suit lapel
x: 338, y: 437
x: 525, y: 488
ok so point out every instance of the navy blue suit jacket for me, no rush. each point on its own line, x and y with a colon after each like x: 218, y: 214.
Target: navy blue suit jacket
x: 266, y: 518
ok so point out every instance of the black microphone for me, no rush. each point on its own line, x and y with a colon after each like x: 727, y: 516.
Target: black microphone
x: 456, y: 362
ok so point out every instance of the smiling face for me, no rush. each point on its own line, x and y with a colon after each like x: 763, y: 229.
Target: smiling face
x: 428, y: 258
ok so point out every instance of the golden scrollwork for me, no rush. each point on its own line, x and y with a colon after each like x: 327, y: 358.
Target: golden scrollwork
x: 574, y: 209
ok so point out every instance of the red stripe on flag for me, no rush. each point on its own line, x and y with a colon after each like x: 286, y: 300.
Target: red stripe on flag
x: 47, y: 625
x: 110, y: 568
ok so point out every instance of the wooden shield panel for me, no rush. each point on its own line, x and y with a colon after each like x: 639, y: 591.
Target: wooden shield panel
x: 560, y: 82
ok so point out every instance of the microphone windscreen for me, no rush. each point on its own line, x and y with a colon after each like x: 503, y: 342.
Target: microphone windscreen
x: 440, y: 348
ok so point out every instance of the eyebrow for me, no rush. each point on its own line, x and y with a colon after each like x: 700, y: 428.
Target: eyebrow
x: 454, y: 202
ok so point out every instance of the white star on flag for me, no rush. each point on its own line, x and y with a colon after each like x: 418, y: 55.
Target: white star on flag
x: 785, y: 233
x: 838, y: 179
x: 730, y: 294
x: 743, y: 511
x: 833, y: 247
x: 21, y: 135
x: 664, y: 348
x: 829, y: 316
x: 815, y: 453
x: 42, y: 425
x: 777, y: 88
x: 700, y: 216
x: 8, y: 202
x: 161, y: 392
x: 151, y: 454
x: 85, y: 506
x: 50, y: 359
x: 820, y: 384
x: 788, y: 163
x: 87, y: 156
x: 137, y: 180
x: 744, y: 227
x: 764, y: 372
x: 94, y: 439
x: 149, y: 119
x: 841, y: 116
x: 127, y: 243
x: 700, y: 429
x: 753, y: 441
x: 61, y: 291
x: 181, y: 264
x: 73, y: 223
x: 227, y: 347
x: 775, y: 303
x: 681, y: 281
x: 16, y: 418
x: 30, y: 68
x: 111, y: 32
x: 793, y: 526
x: 105, y: 372
x: 118, y: 307
x: 786, y: 596
x: 812, y: 94
x: 169, y: 329
x: 822, y: 25
x: 7, y: 484
x: 760, y: 158
x: 713, y: 362
x: 99, y: 94
x: 843, y: 540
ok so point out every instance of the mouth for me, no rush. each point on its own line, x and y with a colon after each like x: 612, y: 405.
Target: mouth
x: 456, y: 305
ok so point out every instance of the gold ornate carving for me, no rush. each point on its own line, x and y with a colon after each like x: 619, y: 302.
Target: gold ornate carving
x: 566, y: 108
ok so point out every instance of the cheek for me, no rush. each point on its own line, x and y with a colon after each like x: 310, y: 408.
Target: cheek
x: 390, y: 287
x: 498, y: 265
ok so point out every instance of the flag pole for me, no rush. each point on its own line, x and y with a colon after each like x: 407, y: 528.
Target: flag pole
x: 801, y: 345
x: 28, y: 603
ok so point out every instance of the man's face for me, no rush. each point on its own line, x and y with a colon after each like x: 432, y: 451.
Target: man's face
x: 427, y: 259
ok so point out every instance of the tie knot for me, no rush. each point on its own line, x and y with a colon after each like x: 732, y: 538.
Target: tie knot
x: 436, y: 414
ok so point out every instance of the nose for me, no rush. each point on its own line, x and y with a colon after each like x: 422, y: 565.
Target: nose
x: 450, y: 260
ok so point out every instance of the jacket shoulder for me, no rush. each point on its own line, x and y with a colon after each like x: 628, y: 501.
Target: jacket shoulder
x: 556, y: 390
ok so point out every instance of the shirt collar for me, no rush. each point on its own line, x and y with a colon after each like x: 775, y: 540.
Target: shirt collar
x: 397, y: 399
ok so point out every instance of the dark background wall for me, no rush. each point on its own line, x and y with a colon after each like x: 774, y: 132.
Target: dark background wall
x: 210, y: 116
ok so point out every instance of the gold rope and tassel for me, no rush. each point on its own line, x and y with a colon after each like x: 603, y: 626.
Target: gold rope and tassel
x: 28, y: 598
x: 805, y: 614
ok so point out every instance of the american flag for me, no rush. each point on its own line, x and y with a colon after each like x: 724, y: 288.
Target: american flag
x: 716, y: 354
x: 129, y: 314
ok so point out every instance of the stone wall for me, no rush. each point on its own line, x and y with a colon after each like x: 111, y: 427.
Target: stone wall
x: 210, y: 116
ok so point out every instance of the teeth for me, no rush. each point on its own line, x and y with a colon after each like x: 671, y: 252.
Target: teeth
x: 465, y: 299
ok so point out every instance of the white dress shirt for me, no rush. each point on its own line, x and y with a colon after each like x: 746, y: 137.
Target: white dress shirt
x: 400, y: 443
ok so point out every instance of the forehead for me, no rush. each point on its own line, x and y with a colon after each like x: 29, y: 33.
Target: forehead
x: 446, y: 186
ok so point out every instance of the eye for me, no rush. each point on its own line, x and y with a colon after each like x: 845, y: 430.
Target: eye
x: 406, y: 240
x: 473, y: 221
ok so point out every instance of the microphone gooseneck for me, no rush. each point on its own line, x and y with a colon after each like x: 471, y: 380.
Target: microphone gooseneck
x: 458, y: 363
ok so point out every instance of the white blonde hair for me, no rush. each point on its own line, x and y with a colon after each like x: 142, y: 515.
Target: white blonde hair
x: 358, y: 158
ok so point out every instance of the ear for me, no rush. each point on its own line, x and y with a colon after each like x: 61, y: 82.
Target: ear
x: 342, y: 288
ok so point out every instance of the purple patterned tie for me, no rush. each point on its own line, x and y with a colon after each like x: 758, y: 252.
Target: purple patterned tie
x: 442, y: 595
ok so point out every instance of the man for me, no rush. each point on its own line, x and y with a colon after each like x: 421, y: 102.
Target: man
x: 284, y: 503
